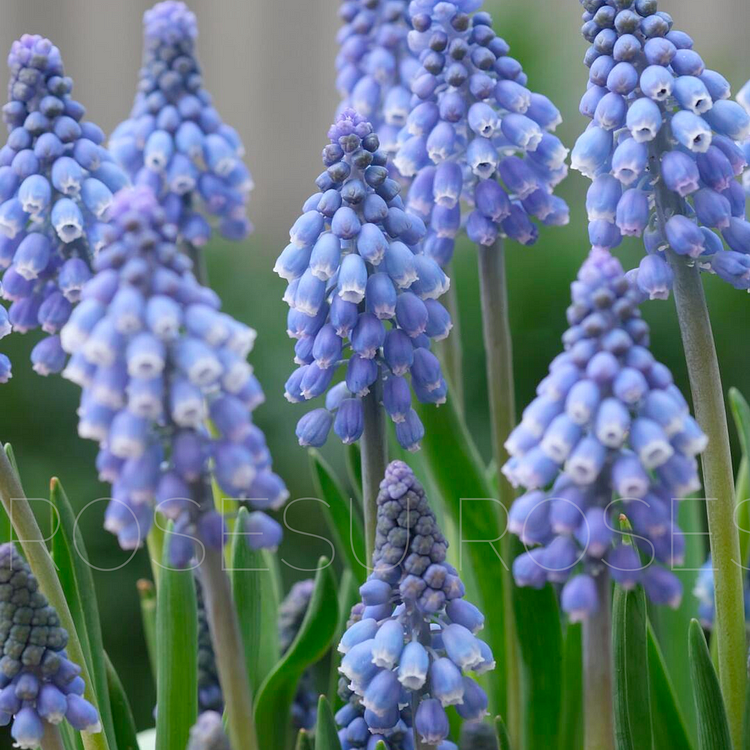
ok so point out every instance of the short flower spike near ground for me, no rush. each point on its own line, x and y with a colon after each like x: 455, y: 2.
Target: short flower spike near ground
x: 156, y: 358
x: 476, y: 134
x: 56, y: 187
x: 375, y: 66
x: 608, y: 434
x: 363, y: 296
x: 208, y: 733
x: 210, y: 697
x: 410, y: 650
x: 175, y: 141
x: 662, y: 149
x: 39, y: 684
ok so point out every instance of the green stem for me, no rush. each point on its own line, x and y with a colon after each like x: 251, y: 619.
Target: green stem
x: 598, y: 729
x: 498, y: 348
x: 200, y: 267
x: 147, y: 596
x: 37, y: 555
x: 718, y: 480
x: 52, y: 739
x: 227, y: 643
x: 374, y: 459
x: 451, y: 350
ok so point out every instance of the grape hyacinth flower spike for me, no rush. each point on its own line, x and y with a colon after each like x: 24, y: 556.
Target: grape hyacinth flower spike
x: 56, y: 187
x: 208, y: 733
x: 363, y: 296
x: 39, y: 685
x: 156, y: 358
x: 411, y: 649
x: 210, y: 697
x: 175, y: 141
x: 662, y: 149
x: 375, y: 66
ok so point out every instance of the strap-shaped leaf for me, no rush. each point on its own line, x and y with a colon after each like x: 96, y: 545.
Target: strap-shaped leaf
x: 713, y: 727
x: 318, y: 628
x: 304, y: 741
x: 630, y: 689
x: 122, y: 715
x: 353, y: 460
x: 343, y: 518
x: 256, y: 598
x: 571, y: 716
x: 147, y: 598
x: 503, y: 739
x: 326, y: 733
x: 177, y: 668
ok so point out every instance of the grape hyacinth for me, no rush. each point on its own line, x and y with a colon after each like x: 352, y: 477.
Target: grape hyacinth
x: 292, y: 612
x: 704, y: 591
x: 210, y: 697
x: 411, y: 650
x: 39, y: 685
x: 374, y: 64
x: 208, y: 733
x: 56, y: 187
x: 363, y: 296
x: 175, y: 141
x: 743, y: 97
x: 662, y: 149
x: 156, y: 358
x: 477, y: 134
x: 608, y: 434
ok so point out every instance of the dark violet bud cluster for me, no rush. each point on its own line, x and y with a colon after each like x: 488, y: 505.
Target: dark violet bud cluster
x: 156, y: 359
x: 608, y: 434
x: 208, y: 733
x: 413, y: 643
x: 476, y: 133
x: 210, y: 697
x: 374, y: 64
x: 705, y: 592
x: 363, y: 296
x: 291, y: 614
x: 175, y: 141
x: 39, y: 685
x: 662, y: 149
x: 56, y: 187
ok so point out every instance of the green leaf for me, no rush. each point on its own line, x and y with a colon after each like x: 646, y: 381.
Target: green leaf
x: 741, y: 413
x: 304, y: 741
x: 668, y: 725
x: 631, y: 699
x: 177, y: 669
x: 503, y: 740
x: 318, y: 628
x: 456, y: 469
x: 74, y: 572
x: 343, y: 518
x: 122, y: 715
x: 326, y: 732
x: 713, y: 727
x: 256, y: 598
x: 571, y: 724
x: 353, y: 461
x: 147, y: 597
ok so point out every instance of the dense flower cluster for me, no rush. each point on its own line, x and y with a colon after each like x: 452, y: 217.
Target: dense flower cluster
x: 38, y: 683
x: 208, y: 733
x: 56, y: 186
x: 360, y: 286
x: 210, y: 697
x: 413, y: 640
x: 291, y: 614
x: 175, y: 141
x: 374, y: 64
x: 705, y: 592
x: 156, y: 358
x: 608, y: 433
x: 476, y: 134
x: 661, y: 149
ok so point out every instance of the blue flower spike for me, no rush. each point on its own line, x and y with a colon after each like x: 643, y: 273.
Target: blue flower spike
x: 175, y: 142
x: 663, y: 124
x: 609, y: 433
x: 156, y: 358
x: 363, y: 296
x: 411, y: 648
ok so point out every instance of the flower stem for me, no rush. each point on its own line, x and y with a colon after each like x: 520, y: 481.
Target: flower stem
x: 374, y: 460
x: 35, y: 550
x: 200, y: 267
x: 597, y: 671
x: 451, y: 350
x: 718, y: 481
x: 227, y: 643
x: 498, y: 348
x: 52, y: 739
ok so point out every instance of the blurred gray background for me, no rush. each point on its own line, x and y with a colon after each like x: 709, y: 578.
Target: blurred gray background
x: 270, y: 67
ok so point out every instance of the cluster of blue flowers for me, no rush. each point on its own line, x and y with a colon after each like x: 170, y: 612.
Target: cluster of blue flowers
x: 210, y: 696
x: 476, y: 133
x: 374, y: 64
x: 358, y: 280
x: 411, y: 645
x: 175, y: 141
x: 705, y: 592
x: 56, y: 187
x: 156, y: 358
x: 662, y: 149
x: 608, y: 433
x: 39, y: 685
x: 208, y: 733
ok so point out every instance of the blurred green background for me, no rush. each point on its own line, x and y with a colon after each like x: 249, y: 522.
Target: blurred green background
x: 270, y: 66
